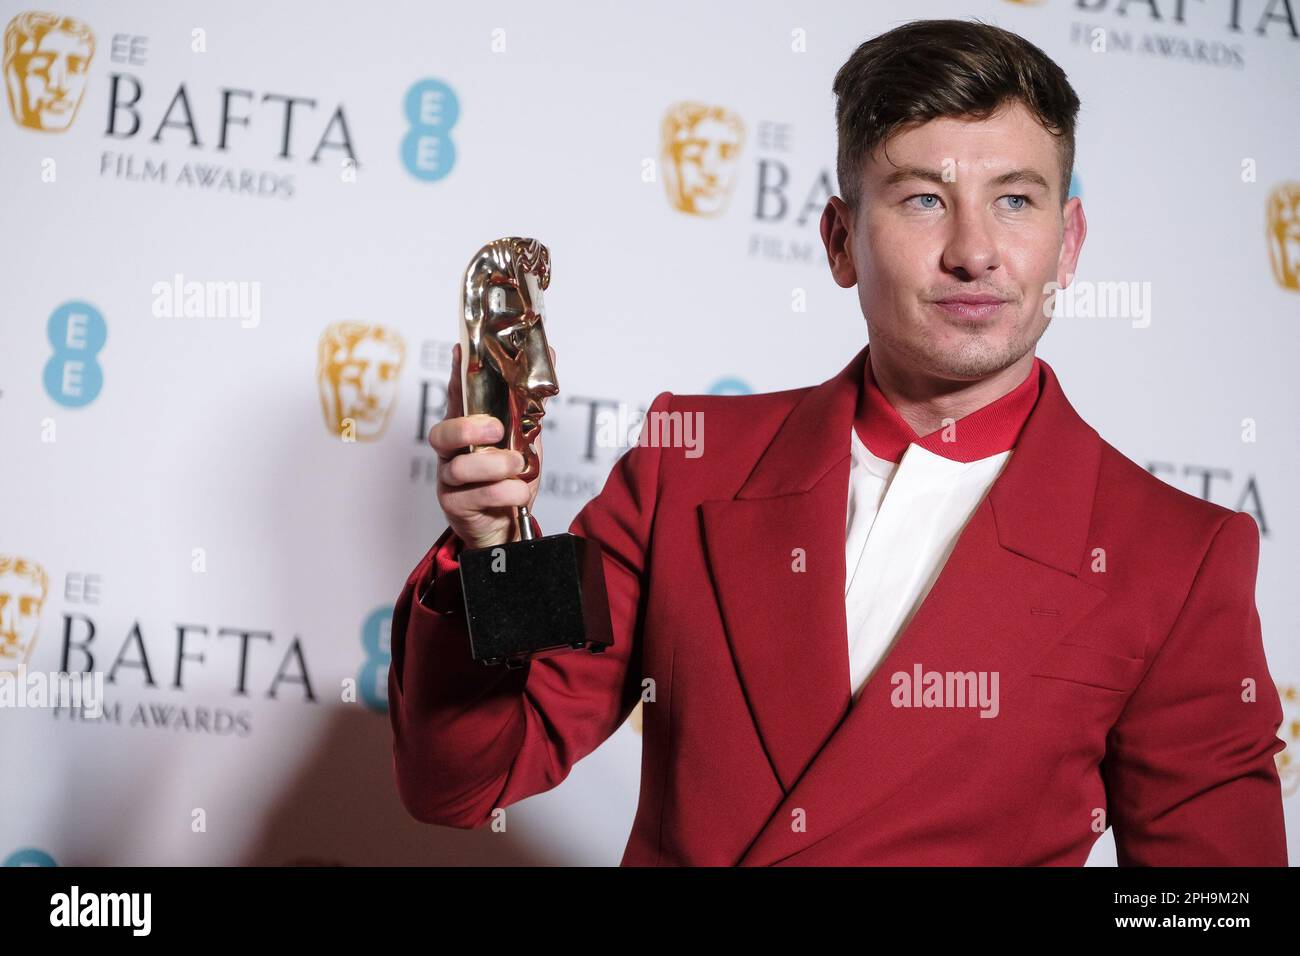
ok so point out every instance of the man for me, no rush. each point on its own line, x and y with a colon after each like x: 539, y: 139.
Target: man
x: 918, y: 614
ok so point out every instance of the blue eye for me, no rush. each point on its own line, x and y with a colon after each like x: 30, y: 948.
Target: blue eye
x: 1024, y: 201
x: 925, y: 196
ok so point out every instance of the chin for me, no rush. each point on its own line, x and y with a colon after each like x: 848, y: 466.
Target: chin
x: 975, y: 357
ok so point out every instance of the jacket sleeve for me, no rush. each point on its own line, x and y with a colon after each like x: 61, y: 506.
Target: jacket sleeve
x: 468, y: 738
x: 1189, y: 769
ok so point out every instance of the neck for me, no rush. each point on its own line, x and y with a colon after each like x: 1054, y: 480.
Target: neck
x: 924, y: 400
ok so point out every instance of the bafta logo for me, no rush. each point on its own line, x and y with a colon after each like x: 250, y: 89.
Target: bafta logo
x: 46, y: 60
x: 1288, y: 765
x: 23, y: 586
x: 358, y: 371
x: 1284, y: 234
x: 701, y: 151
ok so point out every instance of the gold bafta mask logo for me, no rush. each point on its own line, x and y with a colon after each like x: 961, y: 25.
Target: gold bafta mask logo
x: 23, y: 586
x: 46, y: 61
x: 1284, y: 234
x: 1288, y: 761
x: 701, y: 154
x: 358, y: 370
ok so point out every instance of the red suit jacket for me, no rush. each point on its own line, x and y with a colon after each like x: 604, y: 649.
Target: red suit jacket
x: 1118, y: 612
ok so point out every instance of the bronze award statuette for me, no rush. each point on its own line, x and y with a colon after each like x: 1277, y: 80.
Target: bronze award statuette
x: 535, y: 596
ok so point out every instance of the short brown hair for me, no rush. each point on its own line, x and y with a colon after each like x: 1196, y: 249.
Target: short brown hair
x: 929, y: 69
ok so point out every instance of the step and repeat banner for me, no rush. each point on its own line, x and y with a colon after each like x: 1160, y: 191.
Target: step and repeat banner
x: 229, y: 227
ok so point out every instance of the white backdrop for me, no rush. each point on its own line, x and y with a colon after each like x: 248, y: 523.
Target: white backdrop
x: 179, y: 476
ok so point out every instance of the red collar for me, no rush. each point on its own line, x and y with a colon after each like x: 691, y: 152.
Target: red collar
x: 986, y: 431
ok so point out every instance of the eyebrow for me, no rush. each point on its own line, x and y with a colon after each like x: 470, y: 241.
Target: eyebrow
x: 1014, y: 176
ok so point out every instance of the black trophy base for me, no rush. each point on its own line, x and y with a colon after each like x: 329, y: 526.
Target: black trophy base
x: 535, y: 598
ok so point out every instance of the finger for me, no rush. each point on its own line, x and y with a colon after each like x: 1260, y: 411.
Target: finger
x: 452, y: 436
x: 489, y: 464
x: 470, y: 500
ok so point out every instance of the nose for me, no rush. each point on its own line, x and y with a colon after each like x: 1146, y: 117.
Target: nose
x: 971, y: 249
x: 58, y: 77
x: 541, y: 381
x: 369, y: 385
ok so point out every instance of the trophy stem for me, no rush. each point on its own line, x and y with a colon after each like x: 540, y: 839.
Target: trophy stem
x: 525, y: 525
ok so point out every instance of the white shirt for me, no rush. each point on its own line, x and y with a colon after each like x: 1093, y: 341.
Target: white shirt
x: 903, y: 521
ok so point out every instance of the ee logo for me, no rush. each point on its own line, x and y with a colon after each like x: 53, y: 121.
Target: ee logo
x: 730, y: 386
x: 72, y: 376
x: 376, y: 637
x: 30, y: 856
x: 432, y: 110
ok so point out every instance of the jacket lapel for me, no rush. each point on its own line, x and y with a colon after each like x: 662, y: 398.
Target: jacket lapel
x: 776, y: 552
x: 1007, y: 593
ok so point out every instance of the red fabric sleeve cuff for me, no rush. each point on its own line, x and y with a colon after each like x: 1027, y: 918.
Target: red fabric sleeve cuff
x: 440, y: 590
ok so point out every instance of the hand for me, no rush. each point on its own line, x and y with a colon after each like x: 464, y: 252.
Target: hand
x: 478, y: 492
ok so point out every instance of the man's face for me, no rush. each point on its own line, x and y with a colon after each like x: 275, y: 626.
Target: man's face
x: 960, y: 210
x: 52, y: 77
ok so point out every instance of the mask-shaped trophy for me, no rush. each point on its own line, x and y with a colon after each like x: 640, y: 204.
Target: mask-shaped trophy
x: 535, y: 596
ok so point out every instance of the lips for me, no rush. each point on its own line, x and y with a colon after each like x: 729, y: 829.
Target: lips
x: 530, y: 426
x: 972, y: 306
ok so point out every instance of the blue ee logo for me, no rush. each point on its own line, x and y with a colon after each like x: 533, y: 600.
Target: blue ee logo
x: 376, y: 637
x: 730, y: 386
x: 432, y: 109
x: 29, y: 857
x: 72, y: 376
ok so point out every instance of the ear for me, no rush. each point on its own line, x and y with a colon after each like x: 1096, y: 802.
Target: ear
x: 837, y: 236
x: 1074, y: 232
